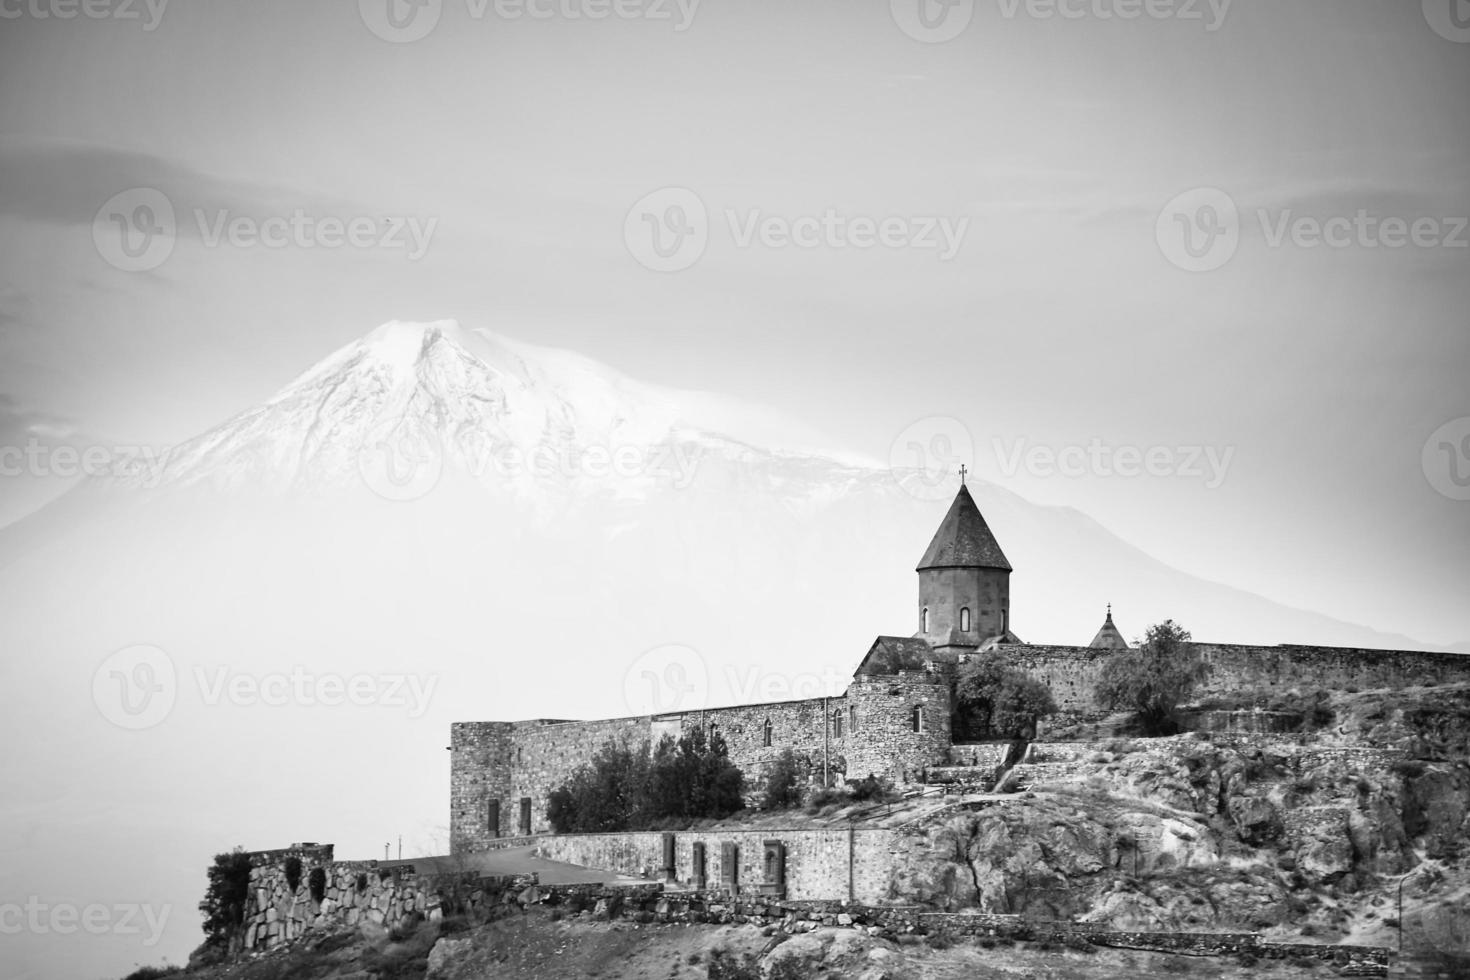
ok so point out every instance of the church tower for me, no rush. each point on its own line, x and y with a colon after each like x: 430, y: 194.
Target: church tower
x: 964, y: 582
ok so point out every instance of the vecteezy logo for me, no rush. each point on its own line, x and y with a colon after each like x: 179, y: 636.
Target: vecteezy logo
x: 932, y: 21
x: 1199, y: 231
x: 136, y: 687
x: 402, y: 460
x: 667, y: 678
x: 136, y: 229
x: 401, y: 21
x: 667, y: 231
x: 1446, y: 459
x: 1449, y: 18
x: 927, y: 456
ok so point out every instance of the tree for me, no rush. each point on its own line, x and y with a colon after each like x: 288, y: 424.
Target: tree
x: 1155, y: 679
x: 623, y: 788
x: 604, y: 794
x: 783, y: 783
x: 692, y: 778
x: 996, y: 701
x: 224, y: 900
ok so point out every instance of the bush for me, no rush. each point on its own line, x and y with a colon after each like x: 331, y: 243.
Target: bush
x: 223, y: 905
x: 783, y: 783
x: 674, y: 784
x: 996, y: 701
x: 1154, y: 680
x: 153, y: 972
x: 828, y: 796
x: 871, y: 788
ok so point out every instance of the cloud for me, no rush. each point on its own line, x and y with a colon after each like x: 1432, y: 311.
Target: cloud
x: 17, y: 422
x: 64, y: 183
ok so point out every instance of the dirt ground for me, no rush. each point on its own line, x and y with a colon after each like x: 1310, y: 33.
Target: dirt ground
x: 533, y: 947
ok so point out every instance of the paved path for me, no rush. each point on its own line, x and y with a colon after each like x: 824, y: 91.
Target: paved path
x: 516, y: 861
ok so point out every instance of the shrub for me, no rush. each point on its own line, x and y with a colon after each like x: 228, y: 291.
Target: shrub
x: 1154, y: 680
x: 871, y: 788
x: 783, y: 783
x: 623, y: 788
x: 996, y: 701
x: 153, y: 972
x: 828, y: 796
x: 223, y: 905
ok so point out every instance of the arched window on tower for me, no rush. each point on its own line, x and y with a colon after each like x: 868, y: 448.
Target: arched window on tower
x: 965, y: 620
x: 924, y: 620
x: 837, y: 723
x: 918, y: 718
x: 766, y: 733
x: 852, y: 718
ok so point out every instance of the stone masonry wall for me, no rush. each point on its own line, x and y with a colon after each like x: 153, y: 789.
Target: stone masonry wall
x: 1072, y: 673
x: 869, y: 730
x: 819, y: 864
x: 886, y: 743
x: 332, y: 893
x: 653, y: 903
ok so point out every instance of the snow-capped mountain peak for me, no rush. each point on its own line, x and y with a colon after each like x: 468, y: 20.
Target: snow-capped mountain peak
x: 506, y: 413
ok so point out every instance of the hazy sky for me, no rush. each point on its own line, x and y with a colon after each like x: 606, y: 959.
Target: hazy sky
x: 1054, y: 142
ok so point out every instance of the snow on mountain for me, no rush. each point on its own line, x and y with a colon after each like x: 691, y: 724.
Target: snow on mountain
x: 502, y: 437
x: 411, y: 402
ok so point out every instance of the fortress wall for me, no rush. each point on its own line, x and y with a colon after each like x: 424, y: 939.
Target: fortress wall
x: 541, y: 755
x: 512, y: 762
x: 479, y: 774
x: 1267, y: 670
x: 886, y: 744
x: 805, y: 727
x: 497, y: 765
x: 1072, y: 673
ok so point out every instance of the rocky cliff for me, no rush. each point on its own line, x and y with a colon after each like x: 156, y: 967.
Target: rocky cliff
x: 1295, y: 834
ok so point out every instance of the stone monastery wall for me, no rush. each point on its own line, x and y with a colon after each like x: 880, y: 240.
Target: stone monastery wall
x: 1072, y: 673
x: 503, y: 772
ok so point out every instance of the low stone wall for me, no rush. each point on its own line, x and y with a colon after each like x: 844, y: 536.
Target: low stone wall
x: 1253, y: 721
x: 331, y: 893
x: 393, y: 896
x: 819, y: 864
x: 981, y: 754
x: 654, y: 904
